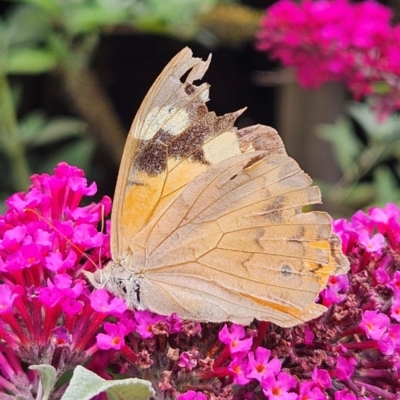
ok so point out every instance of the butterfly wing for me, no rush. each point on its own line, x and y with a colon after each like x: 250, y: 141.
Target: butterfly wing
x: 210, y: 217
x: 235, y: 245
x: 173, y: 139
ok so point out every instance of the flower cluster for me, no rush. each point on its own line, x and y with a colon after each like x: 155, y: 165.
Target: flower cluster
x: 47, y: 313
x: 337, y: 41
x: 50, y: 315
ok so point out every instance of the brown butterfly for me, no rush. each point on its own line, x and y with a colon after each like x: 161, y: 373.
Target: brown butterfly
x: 207, y: 220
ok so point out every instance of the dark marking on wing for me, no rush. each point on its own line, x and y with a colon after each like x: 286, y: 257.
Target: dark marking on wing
x: 254, y: 160
x: 189, y: 88
x: 319, y: 266
x: 286, y: 271
x: 153, y: 154
x: 153, y: 159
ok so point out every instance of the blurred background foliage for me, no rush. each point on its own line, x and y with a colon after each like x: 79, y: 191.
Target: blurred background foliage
x: 74, y: 72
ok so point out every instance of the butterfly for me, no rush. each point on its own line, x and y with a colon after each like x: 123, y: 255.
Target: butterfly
x: 207, y: 219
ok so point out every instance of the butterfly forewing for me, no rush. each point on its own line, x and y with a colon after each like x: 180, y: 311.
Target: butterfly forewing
x: 170, y: 143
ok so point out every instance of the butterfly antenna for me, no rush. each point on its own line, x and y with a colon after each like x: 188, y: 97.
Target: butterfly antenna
x: 83, y: 254
x: 101, y: 230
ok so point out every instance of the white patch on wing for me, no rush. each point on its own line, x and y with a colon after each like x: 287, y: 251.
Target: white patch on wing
x: 222, y: 147
x: 178, y: 123
x: 168, y: 118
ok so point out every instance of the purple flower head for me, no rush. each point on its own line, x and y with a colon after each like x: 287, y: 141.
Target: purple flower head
x: 45, y: 311
x: 324, y: 41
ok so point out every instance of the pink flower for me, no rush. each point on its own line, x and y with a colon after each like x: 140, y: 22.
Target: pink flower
x: 239, y: 367
x: 277, y: 388
x: 321, y: 378
x: 234, y: 338
x: 345, y: 367
x: 102, y: 303
x: 192, y: 395
x: 145, y: 321
x: 188, y: 359
x: 395, y: 309
x: 394, y: 284
x: 308, y: 336
x: 374, y: 323
x: 6, y: 298
x: 308, y: 391
x: 383, y: 216
x: 114, y: 339
x: 345, y: 395
x: 258, y: 366
x: 372, y: 244
x: 390, y: 341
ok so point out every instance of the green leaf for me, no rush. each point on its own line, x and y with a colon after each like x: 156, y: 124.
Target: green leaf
x: 177, y: 17
x: 379, y: 130
x: 27, y: 24
x: 35, y: 130
x: 346, y: 146
x: 86, y: 384
x: 89, y: 18
x: 29, y: 61
x: 48, y: 378
x: 387, y: 188
x: 58, y: 129
x: 381, y: 88
x: 29, y: 127
x: 46, y: 5
x: 358, y: 196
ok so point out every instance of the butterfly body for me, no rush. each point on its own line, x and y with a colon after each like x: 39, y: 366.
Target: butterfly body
x: 207, y: 220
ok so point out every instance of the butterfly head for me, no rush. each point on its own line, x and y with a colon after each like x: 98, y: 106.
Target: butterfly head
x: 118, y: 280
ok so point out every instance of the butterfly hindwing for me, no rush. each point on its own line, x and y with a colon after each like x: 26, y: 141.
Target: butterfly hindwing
x: 240, y: 224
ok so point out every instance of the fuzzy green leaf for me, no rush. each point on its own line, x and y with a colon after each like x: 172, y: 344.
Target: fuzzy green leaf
x: 48, y: 378
x: 86, y: 384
